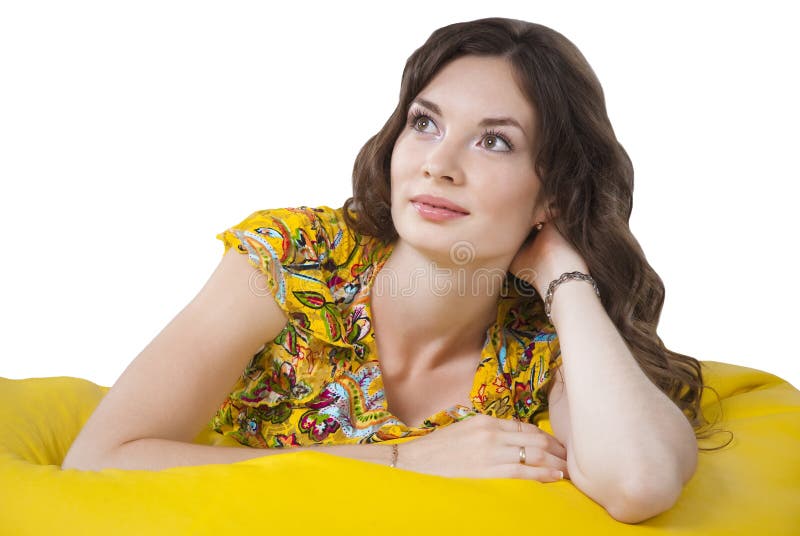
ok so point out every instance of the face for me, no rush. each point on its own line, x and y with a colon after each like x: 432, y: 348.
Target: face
x: 446, y: 151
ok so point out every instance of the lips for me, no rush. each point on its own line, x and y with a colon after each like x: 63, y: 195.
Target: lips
x: 439, y: 202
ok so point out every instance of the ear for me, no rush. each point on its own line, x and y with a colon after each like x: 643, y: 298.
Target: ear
x: 540, y: 213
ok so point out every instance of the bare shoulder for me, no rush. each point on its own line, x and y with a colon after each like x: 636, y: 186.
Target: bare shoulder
x: 177, y: 382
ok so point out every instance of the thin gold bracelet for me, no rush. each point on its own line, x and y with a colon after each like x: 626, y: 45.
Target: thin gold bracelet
x: 394, y: 455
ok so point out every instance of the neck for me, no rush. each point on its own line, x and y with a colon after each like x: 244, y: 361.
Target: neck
x: 430, y: 312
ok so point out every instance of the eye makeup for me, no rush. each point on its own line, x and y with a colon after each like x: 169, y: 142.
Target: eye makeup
x: 417, y: 113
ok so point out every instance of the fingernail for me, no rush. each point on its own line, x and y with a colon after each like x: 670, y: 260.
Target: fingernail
x: 561, y: 475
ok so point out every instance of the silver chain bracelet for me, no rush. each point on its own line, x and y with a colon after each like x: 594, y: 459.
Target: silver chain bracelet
x: 548, y: 300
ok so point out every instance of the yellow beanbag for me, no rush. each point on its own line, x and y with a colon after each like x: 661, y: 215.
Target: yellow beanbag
x: 751, y: 487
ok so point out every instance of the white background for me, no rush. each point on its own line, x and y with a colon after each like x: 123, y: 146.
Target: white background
x: 132, y: 133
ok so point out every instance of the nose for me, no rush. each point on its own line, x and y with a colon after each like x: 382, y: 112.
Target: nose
x: 442, y: 161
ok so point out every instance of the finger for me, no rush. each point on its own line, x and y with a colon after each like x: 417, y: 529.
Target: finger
x: 554, y: 462
x: 535, y: 456
x: 536, y: 438
x: 515, y: 425
x: 512, y: 424
x: 553, y: 445
x: 525, y: 472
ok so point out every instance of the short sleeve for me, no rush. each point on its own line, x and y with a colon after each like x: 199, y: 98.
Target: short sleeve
x: 290, y: 247
x: 543, y: 353
x: 553, y: 349
x: 555, y: 354
x: 553, y: 364
x: 545, y: 332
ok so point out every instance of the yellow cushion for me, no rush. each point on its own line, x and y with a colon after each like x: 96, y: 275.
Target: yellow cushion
x: 750, y: 487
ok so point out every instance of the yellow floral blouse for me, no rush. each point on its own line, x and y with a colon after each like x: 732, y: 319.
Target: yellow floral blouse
x: 319, y: 380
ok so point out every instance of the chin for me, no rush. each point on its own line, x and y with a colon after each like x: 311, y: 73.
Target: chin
x: 435, y: 243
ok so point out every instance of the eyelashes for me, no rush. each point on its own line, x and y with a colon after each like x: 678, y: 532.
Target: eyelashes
x: 416, y: 114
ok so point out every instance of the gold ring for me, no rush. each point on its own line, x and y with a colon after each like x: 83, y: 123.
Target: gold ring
x: 522, y: 455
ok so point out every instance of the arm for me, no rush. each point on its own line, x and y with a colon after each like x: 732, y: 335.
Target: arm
x: 155, y: 409
x: 630, y: 448
x: 155, y: 454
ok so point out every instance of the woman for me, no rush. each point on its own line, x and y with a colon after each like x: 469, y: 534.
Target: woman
x: 485, y: 247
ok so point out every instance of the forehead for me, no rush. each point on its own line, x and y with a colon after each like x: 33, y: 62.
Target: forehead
x: 478, y: 87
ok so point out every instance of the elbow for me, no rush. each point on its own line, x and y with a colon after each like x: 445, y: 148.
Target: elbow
x: 74, y: 458
x: 77, y: 456
x: 73, y: 462
x: 83, y: 459
x: 71, y: 465
x: 80, y: 461
x: 650, y: 493
x: 89, y: 463
x: 642, y: 500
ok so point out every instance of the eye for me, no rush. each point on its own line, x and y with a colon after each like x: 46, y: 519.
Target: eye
x: 497, y: 135
x: 418, y: 117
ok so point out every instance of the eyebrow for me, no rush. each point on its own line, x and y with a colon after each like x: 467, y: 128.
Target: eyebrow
x: 485, y: 122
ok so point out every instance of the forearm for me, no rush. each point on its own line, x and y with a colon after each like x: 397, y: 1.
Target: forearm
x: 628, y: 436
x: 156, y: 454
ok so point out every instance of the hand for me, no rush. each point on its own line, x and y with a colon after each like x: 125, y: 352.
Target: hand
x: 483, y: 446
x: 544, y: 256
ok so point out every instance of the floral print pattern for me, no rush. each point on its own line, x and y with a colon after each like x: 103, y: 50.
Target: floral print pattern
x: 319, y: 381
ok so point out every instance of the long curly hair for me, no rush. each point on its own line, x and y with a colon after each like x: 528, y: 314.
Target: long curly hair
x: 585, y: 172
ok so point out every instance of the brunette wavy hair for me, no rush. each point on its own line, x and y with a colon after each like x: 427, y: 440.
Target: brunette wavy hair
x: 585, y: 172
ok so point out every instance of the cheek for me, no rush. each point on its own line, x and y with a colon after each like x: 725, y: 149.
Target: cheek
x: 397, y: 174
x: 402, y: 168
x: 513, y: 205
x: 516, y: 195
x: 401, y: 157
